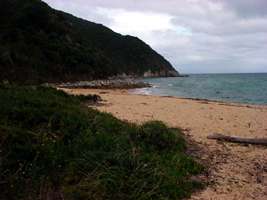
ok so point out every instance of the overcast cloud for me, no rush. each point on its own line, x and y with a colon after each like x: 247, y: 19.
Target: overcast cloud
x: 196, y: 36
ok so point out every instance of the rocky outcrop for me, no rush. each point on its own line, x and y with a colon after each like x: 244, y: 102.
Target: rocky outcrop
x: 123, y: 83
x: 161, y: 73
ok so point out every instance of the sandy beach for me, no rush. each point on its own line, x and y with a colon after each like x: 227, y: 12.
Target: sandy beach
x: 234, y: 171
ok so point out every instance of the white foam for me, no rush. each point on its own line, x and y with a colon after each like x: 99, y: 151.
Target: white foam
x: 144, y: 91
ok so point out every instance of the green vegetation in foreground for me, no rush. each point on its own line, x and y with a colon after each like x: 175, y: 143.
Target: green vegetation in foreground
x: 53, y: 146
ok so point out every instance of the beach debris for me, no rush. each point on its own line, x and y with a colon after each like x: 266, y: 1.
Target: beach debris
x: 234, y: 139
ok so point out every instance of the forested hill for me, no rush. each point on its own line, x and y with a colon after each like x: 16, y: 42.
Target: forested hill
x: 40, y: 44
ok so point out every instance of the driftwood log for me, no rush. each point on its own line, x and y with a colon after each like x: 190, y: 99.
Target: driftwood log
x: 255, y: 141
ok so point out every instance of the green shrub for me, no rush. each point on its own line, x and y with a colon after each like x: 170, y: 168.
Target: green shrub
x: 52, y: 145
x: 159, y: 137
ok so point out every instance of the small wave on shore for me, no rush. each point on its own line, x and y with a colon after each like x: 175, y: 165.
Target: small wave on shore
x: 142, y: 91
x: 236, y: 88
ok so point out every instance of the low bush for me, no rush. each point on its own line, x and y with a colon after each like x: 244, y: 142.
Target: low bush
x: 52, y: 146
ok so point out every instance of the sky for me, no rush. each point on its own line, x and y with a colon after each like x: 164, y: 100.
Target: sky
x: 196, y: 36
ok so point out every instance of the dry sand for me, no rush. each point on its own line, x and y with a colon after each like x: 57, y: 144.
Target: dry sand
x: 234, y: 171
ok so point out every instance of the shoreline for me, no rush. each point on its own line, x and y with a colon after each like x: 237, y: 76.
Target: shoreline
x: 131, y: 91
x: 234, y: 171
x: 221, y: 102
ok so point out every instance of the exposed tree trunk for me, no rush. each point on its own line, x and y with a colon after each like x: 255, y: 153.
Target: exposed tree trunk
x: 255, y: 141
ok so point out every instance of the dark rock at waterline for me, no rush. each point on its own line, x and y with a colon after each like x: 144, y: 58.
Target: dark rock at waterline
x: 183, y: 75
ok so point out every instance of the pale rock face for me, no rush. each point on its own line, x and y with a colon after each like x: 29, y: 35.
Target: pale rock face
x: 162, y: 73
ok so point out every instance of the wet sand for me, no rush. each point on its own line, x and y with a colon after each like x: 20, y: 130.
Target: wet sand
x: 234, y: 171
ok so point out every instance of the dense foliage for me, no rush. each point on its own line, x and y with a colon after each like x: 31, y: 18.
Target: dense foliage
x: 52, y: 146
x: 40, y: 44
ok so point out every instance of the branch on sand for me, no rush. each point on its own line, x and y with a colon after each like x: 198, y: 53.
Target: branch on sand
x: 254, y: 141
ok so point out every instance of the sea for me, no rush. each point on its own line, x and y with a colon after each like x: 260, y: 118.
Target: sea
x: 237, y: 88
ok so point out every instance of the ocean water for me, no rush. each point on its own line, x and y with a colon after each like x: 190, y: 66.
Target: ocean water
x: 240, y: 88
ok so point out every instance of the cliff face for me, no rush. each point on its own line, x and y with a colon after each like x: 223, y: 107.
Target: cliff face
x: 40, y: 44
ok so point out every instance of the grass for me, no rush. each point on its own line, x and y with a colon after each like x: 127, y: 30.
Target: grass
x: 54, y: 146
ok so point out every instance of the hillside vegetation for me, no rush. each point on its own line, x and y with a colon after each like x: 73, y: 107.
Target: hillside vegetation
x: 40, y: 44
x: 53, y: 147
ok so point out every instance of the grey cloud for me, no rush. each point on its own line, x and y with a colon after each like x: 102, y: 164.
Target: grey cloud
x: 80, y: 9
x: 242, y: 7
x: 248, y: 7
x: 226, y: 35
